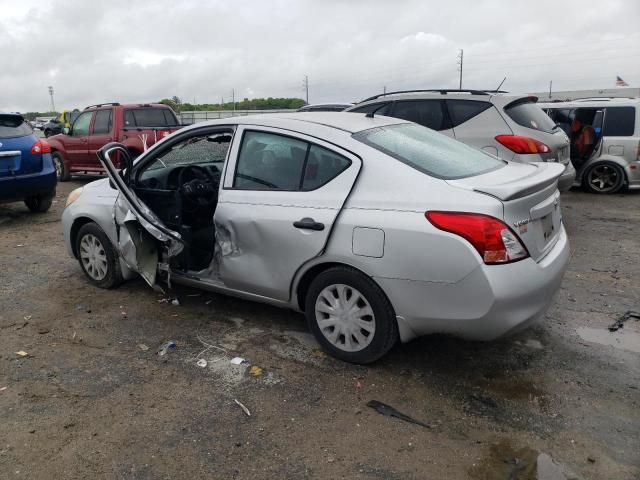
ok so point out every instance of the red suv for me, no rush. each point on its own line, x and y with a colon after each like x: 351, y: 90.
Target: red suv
x: 136, y: 126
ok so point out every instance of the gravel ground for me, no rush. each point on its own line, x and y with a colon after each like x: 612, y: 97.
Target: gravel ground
x: 94, y: 400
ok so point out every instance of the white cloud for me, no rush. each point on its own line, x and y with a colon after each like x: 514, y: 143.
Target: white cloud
x: 141, y: 51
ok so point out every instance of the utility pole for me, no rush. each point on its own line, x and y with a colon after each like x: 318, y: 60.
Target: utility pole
x: 233, y: 98
x: 53, y: 105
x: 460, y: 59
x: 550, y: 85
x: 384, y: 90
x: 305, y: 87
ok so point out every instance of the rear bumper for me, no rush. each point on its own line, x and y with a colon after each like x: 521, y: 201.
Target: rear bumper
x: 490, y: 302
x: 567, y: 178
x: 19, y: 187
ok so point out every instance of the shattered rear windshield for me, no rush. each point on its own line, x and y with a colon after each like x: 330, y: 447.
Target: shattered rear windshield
x: 428, y: 151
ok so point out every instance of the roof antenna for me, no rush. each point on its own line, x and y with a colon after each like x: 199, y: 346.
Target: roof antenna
x: 498, y: 89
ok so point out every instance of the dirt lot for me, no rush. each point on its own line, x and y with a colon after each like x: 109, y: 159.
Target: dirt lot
x: 90, y: 401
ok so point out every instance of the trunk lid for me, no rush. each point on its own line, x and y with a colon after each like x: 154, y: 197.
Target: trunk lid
x: 530, y: 198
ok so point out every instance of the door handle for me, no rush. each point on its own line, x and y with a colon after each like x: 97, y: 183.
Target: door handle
x: 309, y: 224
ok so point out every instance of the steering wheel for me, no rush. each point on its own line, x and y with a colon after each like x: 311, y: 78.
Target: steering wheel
x: 201, y: 190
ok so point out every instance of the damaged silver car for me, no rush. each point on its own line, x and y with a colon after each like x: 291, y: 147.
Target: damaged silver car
x: 376, y: 228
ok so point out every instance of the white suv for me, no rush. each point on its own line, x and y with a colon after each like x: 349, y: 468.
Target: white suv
x: 509, y: 126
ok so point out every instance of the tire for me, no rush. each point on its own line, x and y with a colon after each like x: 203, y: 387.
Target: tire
x: 38, y: 203
x: 62, y: 172
x: 604, y: 177
x: 47, y: 133
x: 346, y: 285
x: 97, y: 257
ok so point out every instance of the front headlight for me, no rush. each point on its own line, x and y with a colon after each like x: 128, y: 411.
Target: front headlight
x: 73, y: 196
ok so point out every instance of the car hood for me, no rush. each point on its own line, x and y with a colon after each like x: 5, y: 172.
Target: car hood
x: 100, y: 188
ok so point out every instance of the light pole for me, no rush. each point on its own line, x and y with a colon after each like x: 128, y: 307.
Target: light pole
x: 53, y: 105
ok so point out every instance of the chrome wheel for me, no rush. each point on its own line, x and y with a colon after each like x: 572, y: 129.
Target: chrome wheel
x: 345, y: 317
x: 604, y: 178
x: 93, y: 257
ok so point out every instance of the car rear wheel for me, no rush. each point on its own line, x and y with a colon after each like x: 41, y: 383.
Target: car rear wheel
x: 604, y: 177
x: 62, y: 173
x: 97, y: 257
x: 350, y: 315
x: 38, y: 203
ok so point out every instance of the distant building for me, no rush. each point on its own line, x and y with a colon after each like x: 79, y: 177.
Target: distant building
x: 565, y: 95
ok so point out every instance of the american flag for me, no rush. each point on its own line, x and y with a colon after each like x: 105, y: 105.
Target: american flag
x: 621, y: 83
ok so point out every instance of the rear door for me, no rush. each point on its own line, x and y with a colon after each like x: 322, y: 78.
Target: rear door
x: 281, y: 195
x: 101, y: 134
x: 77, y: 142
x: 140, y: 231
x: 428, y: 113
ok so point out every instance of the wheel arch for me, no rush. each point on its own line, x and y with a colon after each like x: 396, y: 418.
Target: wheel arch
x: 622, y: 163
x: 307, y: 274
x: 77, y: 224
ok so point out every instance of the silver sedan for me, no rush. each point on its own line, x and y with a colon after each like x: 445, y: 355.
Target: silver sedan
x: 376, y: 228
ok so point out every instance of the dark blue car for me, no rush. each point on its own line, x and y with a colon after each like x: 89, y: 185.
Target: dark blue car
x: 26, y: 169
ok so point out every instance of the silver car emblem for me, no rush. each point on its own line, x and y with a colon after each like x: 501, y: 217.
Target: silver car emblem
x: 520, y: 223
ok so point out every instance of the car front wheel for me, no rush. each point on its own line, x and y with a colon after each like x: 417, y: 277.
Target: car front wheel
x: 97, y: 257
x: 62, y: 173
x: 350, y: 315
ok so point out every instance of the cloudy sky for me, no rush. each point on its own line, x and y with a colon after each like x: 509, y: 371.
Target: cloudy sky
x: 130, y: 50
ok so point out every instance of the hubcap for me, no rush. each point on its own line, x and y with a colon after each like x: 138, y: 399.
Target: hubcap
x: 93, y: 257
x: 345, y: 317
x: 604, y: 178
x: 57, y: 164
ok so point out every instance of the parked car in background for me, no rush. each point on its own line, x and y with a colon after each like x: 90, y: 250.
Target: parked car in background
x: 376, y: 228
x: 137, y: 126
x: 26, y: 169
x: 605, y: 141
x: 325, y: 107
x: 56, y: 125
x: 509, y: 126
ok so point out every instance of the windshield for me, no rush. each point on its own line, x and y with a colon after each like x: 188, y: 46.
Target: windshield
x: 13, y: 126
x: 428, y: 151
x: 530, y: 115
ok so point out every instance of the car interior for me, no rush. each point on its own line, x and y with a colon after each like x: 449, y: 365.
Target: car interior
x: 180, y: 186
x: 583, y: 126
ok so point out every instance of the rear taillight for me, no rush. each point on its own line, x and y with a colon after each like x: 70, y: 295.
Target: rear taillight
x: 493, y: 239
x: 41, y: 146
x: 521, y: 144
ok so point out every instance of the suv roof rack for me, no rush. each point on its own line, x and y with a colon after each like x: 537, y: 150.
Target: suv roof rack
x: 113, y: 104
x: 442, y: 91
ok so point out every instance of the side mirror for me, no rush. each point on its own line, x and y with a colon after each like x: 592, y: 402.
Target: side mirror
x: 66, y: 130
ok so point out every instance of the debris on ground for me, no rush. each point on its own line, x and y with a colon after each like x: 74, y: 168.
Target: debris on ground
x: 244, y: 409
x: 255, y: 371
x: 170, y: 300
x: 43, y: 330
x: 619, y: 323
x: 22, y: 353
x: 2, y: 389
x: 201, y: 363
x: 27, y: 317
x: 238, y: 360
x: 166, y: 346
x: 389, y: 411
x: 143, y: 347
